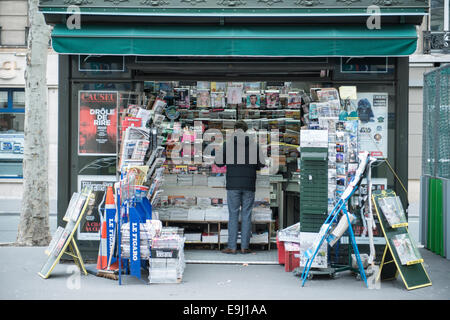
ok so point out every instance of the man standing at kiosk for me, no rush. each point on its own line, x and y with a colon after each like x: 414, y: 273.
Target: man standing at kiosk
x: 241, y: 156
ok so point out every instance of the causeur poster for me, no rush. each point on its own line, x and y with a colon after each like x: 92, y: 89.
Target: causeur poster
x: 97, y: 127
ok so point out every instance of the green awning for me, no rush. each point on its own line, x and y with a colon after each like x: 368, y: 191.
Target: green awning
x: 238, y: 41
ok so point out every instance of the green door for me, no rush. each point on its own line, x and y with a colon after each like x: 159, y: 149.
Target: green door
x: 435, y: 217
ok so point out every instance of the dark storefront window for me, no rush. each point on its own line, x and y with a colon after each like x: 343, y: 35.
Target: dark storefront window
x: 12, y: 119
x: 437, y: 13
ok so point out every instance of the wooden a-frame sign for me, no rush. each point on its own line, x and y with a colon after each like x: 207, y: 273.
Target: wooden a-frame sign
x: 413, y: 274
x: 64, y: 242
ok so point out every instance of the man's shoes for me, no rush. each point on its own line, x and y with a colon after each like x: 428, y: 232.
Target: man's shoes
x: 245, y: 251
x: 229, y: 251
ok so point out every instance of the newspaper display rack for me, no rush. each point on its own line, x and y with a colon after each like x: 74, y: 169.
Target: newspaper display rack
x: 63, y: 241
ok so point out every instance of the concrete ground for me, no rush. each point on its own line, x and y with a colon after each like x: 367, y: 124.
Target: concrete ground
x: 19, y: 280
x: 238, y: 281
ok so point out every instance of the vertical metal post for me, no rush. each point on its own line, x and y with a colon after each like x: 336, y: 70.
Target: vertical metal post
x: 64, y: 178
x: 401, y: 124
x: 434, y: 120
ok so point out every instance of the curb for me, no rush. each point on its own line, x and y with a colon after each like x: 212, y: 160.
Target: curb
x: 7, y: 244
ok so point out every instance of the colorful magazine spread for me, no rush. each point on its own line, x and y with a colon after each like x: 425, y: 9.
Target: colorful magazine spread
x: 406, y: 249
x: 393, y: 211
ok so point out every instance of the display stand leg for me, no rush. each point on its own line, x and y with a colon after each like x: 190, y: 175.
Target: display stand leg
x: 77, y: 256
x: 355, y: 248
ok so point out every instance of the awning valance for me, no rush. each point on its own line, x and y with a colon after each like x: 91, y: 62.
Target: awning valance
x: 236, y: 41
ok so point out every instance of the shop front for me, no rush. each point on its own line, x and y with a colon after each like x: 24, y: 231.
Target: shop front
x: 130, y: 55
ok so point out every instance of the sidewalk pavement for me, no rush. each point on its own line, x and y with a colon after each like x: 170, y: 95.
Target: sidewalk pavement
x: 19, y: 280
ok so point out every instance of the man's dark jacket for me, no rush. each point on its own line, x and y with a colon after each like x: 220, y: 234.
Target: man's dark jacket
x: 241, y: 172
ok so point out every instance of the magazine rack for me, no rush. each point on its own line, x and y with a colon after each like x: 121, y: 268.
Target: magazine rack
x: 413, y: 273
x: 133, y: 210
x: 67, y: 242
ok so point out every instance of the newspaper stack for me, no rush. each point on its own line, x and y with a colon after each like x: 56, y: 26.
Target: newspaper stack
x: 262, y: 237
x: 214, y: 181
x: 196, y: 214
x: 224, y: 215
x: 167, y: 263
x: 164, y: 213
x: 223, y: 235
x: 213, y: 214
x: 184, y: 179
x: 212, y: 237
x: 193, y: 237
x: 262, y: 181
x: 170, y: 179
x: 261, y: 214
x: 203, y: 201
x: 200, y: 180
x: 167, y: 231
x: 147, y: 231
x: 179, y: 213
x: 291, y: 233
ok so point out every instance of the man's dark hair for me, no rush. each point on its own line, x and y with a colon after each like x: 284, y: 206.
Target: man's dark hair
x: 241, y: 125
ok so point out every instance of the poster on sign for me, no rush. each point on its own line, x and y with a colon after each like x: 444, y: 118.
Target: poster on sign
x: 372, y: 110
x: 97, y: 125
x: 89, y: 228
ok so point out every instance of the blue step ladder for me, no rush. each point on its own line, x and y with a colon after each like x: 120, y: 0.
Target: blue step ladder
x: 340, y: 207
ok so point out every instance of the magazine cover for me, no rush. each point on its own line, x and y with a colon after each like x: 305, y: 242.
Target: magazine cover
x: 159, y: 106
x: 130, y: 122
x: 132, y: 110
x: 393, y: 211
x: 203, y: 98
x: 328, y: 94
x: 54, y: 241
x: 203, y: 85
x: 272, y: 99
x: 71, y: 206
x: 97, y: 123
x: 218, y: 86
x: 89, y: 228
x: 406, y: 249
x: 372, y: 109
x: 131, y: 143
x: 78, y: 207
x: 182, y: 98
x: 313, y: 93
x: 61, y: 241
x: 294, y: 100
x: 164, y: 86
x: 218, y: 100
x: 253, y: 99
x: 252, y: 86
x: 234, y: 93
x: 144, y: 115
x: 313, y: 111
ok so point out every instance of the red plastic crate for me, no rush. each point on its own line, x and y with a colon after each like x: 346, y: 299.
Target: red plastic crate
x: 291, y: 262
x: 281, y: 252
